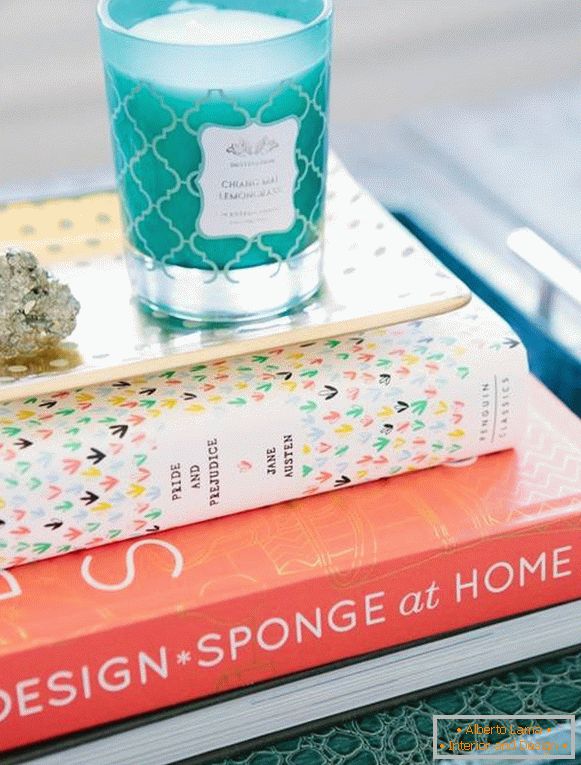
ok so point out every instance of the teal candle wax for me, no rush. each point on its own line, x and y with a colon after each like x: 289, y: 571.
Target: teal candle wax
x: 219, y: 123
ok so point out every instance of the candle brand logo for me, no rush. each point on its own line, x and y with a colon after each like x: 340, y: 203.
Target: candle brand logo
x: 261, y: 148
x: 249, y: 179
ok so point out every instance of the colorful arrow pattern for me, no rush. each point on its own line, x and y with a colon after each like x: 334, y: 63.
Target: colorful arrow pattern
x: 75, y: 468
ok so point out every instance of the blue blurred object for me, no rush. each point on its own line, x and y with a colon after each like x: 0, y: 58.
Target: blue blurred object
x: 557, y: 366
x: 496, y: 195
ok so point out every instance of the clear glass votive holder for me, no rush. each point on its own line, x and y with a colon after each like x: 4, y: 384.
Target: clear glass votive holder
x: 221, y: 149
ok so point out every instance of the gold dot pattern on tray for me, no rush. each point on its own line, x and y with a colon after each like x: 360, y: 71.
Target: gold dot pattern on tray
x: 63, y: 229
x: 62, y: 357
x: 376, y: 274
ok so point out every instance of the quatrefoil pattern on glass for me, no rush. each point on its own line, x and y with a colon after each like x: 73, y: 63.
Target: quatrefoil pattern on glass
x: 158, y: 155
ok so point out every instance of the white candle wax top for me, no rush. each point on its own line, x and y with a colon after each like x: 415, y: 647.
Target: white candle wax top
x: 203, y: 24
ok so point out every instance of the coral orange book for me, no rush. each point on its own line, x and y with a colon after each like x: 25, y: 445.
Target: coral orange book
x: 136, y: 626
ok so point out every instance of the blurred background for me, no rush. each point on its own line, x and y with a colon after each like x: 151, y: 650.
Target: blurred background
x: 392, y: 57
x: 462, y: 116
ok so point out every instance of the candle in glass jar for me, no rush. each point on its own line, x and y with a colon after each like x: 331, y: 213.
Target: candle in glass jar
x: 220, y: 137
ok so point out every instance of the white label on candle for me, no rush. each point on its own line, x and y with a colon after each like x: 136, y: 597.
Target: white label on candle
x: 248, y: 179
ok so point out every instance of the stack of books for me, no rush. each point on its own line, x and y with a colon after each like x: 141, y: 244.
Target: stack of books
x: 427, y: 530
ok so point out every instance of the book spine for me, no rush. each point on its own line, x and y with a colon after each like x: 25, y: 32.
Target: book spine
x: 94, y: 466
x: 119, y: 672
